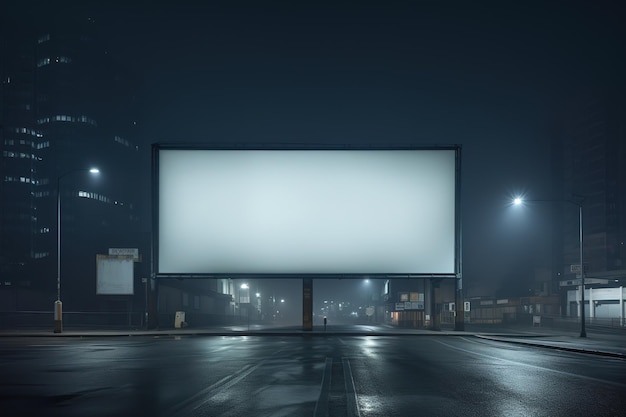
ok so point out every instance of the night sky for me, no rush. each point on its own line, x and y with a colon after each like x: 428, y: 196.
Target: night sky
x: 493, y: 77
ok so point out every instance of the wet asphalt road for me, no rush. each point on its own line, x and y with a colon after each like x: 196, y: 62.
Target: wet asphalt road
x: 331, y: 375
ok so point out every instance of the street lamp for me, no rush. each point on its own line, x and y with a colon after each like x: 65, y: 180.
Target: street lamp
x: 58, y: 305
x: 518, y: 201
x: 246, y: 298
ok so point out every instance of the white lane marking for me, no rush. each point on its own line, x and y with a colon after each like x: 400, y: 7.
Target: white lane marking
x: 351, y: 399
x: 541, y: 368
x: 224, y: 383
x: 321, y: 406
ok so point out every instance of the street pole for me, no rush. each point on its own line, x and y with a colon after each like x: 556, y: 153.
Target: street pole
x: 583, y: 333
x: 579, y: 203
x: 58, y: 305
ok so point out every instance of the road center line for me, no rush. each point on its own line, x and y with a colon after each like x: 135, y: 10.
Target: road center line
x: 213, y: 389
x: 353, y: 405
x: 321, y: 406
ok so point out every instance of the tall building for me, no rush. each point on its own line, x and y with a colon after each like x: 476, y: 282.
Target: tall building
x: 589, y: 154
x: 66, y: 105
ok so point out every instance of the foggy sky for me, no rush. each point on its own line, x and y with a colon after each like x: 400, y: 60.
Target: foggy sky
x: 490, y: 77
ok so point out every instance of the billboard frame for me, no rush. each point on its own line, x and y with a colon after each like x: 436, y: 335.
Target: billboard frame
x: 157, y: 147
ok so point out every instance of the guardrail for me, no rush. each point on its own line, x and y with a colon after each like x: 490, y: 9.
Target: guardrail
x: 570, y: 323
x: 113, y: 320
x: 72, y: 319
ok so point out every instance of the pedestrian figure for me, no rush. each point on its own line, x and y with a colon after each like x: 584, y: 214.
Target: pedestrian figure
x: 325, y: 321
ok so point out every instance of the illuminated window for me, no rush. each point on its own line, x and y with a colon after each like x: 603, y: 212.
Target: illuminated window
x: 21, y: 155
x: 43, y: 61
x: 27, y: 131
x: 44, y: 38
x: 121, y: 140
x: 94, y: 196
x: 66, y: 118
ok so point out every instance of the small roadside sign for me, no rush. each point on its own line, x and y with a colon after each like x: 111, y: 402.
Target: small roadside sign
x: 134, y: 252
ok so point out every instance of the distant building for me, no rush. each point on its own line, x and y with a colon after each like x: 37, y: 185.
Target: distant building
x: 65, y: 105
x: 588, y: 154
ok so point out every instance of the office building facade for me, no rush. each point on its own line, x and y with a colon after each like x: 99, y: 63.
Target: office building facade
x: 66, y: 105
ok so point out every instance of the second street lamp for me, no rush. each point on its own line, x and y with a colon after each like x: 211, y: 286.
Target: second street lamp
x: 58, y: 305
x: 518, y: 201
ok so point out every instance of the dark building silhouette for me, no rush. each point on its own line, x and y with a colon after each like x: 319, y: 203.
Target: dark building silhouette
x: 589, y: 154
x: 66, y: 105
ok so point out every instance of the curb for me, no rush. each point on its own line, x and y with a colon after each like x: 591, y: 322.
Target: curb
x: 221, y: 334
x: 555, y: 347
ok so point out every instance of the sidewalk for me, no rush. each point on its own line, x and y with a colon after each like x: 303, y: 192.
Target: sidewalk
x: 597, y: 343
x: 567, y: 343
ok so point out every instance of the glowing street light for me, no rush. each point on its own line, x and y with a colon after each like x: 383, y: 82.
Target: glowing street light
x: 58, y: 305
x: 518, y: 201
x: 245, y: 298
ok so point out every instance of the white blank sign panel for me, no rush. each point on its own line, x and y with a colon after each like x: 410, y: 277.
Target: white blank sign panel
x: 114, y: 275
x: 306, y: 211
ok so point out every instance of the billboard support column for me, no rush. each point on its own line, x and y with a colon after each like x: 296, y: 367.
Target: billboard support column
x: 434, y: 320
x: 459, y: 317
x: 307, y: 304
x: 153, y: 314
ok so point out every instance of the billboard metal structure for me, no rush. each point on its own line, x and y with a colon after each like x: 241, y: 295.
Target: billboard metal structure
x: 323, y: 212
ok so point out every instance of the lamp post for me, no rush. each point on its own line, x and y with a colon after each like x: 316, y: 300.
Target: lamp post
x: 245, y: 300
x: 518, y: 201
x: 58, y: 305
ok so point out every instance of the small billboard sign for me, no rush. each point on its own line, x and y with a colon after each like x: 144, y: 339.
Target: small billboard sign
x: 134, y: 252
x: 114, y: 275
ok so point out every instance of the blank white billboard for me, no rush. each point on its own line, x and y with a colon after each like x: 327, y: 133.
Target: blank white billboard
x: 306, y: 211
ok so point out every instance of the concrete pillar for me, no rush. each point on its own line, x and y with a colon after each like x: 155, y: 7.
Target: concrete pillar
x: 459, y: 318
x: 592, y: 306
x: 434, y: 319
x: 307, y: 304
x: 153, y: 303
x: 621, y: 306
